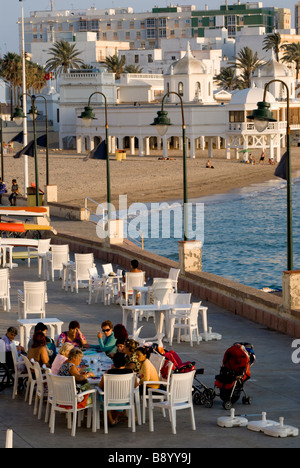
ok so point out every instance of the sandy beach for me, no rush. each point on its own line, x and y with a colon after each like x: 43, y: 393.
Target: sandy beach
x: 142, y: 179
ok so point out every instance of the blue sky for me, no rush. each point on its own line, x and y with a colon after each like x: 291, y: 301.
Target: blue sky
x: 11, y: 10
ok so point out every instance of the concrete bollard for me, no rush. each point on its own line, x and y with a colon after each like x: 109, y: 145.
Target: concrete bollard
x: 291, y: 290
x: 9, y: 439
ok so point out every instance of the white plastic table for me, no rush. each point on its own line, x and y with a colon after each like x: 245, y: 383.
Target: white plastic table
x: 27, y: 324
x: 134, y: 310
x: 9, y: 244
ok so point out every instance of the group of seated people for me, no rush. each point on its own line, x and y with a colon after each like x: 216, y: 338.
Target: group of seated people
x: 64, y: 357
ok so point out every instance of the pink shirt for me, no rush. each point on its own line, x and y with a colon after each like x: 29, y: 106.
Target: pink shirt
x: 57, y: 363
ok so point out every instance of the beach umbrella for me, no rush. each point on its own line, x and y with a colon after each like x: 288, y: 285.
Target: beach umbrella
x: 98, y: 153
x: 281, y: 170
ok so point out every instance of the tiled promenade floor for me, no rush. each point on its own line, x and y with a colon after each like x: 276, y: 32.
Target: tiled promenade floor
x: 274, y: 385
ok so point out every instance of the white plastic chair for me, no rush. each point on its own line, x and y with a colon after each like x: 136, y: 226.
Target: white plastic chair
x: 41, y: 251
x: 97, y: 285
x: 5, y: 289
x: 50, y: 394
x: 18, y: 369
x: 58, y: 256
x: 33, y: 300
x: 178, y: 397
x: 161, y: 291
x: 156, y: 359
x: 173, y: 275
x: 187, y: 322
x: 180, y: 298
x: 119, y: 393
x: 132, y: 280
x: 107, y: 268
x: 65, y: 395
x: 31, y: 383
x: 80, y: 270
x: 41, y: 390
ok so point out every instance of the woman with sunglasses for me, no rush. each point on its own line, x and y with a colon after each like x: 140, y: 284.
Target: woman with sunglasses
x: 106, y: 339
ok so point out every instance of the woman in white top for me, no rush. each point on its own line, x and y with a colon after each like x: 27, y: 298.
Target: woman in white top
x: 62, y: 356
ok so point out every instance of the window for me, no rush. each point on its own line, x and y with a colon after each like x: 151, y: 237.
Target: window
x: 236, y: 116
x: 150, y: 58
x: 198, y: 89
x: 136, y: 59
x: 94, y: 25
x: 180, y: 89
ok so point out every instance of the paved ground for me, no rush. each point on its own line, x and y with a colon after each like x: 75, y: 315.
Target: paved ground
x: 274, y: 385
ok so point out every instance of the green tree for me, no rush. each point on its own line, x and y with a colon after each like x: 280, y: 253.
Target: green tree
x: 227, y: 79
x: 292, y: 55
x: 274, y: 42
x: 133, y: 69
x: 11, y: 71
x: 247, y: 62
x: 64, y: 57
x: 115, y: 65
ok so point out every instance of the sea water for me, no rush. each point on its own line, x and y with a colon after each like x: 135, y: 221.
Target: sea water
x: 245, y: 234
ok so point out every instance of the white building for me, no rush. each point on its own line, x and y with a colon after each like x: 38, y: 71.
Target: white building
x: 207, y: 122
x: 91, y: 50
x: 192, y: 79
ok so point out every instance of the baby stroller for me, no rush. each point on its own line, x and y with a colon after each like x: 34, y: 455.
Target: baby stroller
x: 234, y: 373
x: 202, y: 395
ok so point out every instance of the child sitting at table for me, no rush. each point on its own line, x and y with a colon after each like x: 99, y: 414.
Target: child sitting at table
x: 147, y: 371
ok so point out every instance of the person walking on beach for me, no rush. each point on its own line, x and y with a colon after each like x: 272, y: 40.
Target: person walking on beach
x: 262, y: 158
x: 14, y: 193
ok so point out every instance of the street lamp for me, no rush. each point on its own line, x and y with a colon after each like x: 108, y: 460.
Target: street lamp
x: 87, y: 117
x: 162, y: 123
x: 261, y: 118
x: 33, y: 113
x: 18, y: 118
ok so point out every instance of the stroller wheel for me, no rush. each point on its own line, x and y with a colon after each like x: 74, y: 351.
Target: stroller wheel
x: 197, y: 400
x: 227, y: 405
x: 247, y: 401
x: 209, y: 404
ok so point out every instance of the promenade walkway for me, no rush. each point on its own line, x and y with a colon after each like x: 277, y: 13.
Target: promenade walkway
x: 274, y: 385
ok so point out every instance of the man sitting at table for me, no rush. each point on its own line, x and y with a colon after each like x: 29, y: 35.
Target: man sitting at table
x: 134, y: 269
x: 11, y: 334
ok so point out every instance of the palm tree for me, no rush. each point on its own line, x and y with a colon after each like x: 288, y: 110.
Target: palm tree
x: 115, y: 65
x: 274, y: 42
x: 247, y: 62
x: 292, y: 54
x: 227, y: 79
x: 64, y: 57
x: 133, y: 69
x: 11, y: 72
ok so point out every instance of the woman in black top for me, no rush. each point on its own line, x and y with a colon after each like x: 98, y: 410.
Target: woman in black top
x: 119, y: 360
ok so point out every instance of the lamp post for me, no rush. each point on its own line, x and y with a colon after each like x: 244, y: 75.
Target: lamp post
x: 18, y: 118
x: 25, y: 134
x: 2, y: 152
x: 162, y: 123
x: 33, y: 113
x: 261, y: 118
x: 87, y: 117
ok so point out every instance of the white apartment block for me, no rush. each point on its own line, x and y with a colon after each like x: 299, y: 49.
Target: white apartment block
x: 141, y: 30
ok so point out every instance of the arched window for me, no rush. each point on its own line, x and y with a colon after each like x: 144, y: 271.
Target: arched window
x: 180, y: 89
x: 198, y: 89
